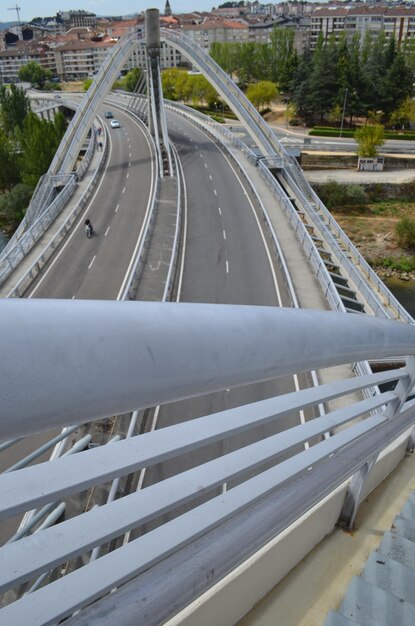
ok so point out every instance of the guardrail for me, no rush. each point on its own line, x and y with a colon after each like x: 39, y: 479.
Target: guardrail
x: 41, y: 260
x: 322, y: 216
x: 26, y: 242
x: 147, y: 346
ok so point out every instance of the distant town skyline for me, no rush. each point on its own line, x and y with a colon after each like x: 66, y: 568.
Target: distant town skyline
x: 44, y: 8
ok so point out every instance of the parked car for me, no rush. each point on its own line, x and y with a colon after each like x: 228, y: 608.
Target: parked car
x: 115, y: 124
x: 108, y: 114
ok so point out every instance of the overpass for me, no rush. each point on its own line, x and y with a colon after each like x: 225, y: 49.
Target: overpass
x: 243, y: 502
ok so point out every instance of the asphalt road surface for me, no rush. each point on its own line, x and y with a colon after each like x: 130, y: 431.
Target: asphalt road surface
x: 226, y: 261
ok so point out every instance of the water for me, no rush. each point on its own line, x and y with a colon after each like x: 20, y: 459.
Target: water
x: 404, y: 291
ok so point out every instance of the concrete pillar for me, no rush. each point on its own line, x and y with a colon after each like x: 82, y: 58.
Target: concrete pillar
x: 153, y: 53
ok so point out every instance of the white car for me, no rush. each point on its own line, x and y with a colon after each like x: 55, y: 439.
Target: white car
x: 115, y: 124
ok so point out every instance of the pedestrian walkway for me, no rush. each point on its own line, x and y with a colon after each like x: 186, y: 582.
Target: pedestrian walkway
x: 53, y: 229
x: 396, y: 177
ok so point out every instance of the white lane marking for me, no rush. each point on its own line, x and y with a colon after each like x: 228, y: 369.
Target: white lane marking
x: 210, y: 176
x: 73, y: 297
x: 205, y: 164
x: 220, y: 210
x: 90, y: 265
x: 80, y: 223
x: 123, y: 191
x: 201, y: 155
x: 215, y: 192
x: 227, y: 267
x: 224, y: 234
x: 130, y: 155
x: 116, y: 208
x: 137, y: 245
x: 106, y: 232
x: 128, y: 174
x: 129, y: 163
x: 183, y: 255
x: 196, y: 147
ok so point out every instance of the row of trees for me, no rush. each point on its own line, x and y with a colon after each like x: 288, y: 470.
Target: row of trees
x: 377, y: 75
x: 27, y: 147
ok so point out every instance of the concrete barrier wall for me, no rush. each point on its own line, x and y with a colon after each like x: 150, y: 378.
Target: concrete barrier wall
x: 228, y: 601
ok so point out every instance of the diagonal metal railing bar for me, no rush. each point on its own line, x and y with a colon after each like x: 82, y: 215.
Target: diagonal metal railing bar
x: 107, y: 522
x: 96, y: 578
x: 101, y: 465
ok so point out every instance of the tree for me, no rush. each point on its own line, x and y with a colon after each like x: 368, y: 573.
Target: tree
x: 202, y: 92
x: 86, y: 84
x: 130, y: 80
x: 369, y: 139
x: 335, y: 115
x: 261, y: 94
x: 169, y: 80
x: 404, y: 114
x: 9, y: 171
x: 284, y: 56
x: 39, y: 140
x: 35, y: 74
x: 14, y: 107
x: 14, y: 204
x: 405, y: 232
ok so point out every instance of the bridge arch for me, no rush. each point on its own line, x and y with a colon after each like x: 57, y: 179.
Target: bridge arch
x: 67, y: 153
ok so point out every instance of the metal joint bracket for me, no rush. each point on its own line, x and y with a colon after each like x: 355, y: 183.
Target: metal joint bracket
x: 353, y: 497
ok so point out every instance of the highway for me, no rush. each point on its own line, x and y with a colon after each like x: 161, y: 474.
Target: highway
x: 96, y: 268
x: 226, y: 261
x: 325, y: 144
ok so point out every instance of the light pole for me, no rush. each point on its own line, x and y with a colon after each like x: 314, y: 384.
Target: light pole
x: 344, y: 111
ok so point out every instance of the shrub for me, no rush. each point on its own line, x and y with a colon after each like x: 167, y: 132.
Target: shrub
x: 334, y: 194
x: 405, y: 232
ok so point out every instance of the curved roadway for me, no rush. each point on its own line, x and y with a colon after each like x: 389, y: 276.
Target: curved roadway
x: 226, y: 261
x: 96, y: 268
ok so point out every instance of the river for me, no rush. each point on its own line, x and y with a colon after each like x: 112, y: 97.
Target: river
x: 404, y: 291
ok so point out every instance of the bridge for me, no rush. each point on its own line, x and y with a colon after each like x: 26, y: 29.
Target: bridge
x: 206, y: 387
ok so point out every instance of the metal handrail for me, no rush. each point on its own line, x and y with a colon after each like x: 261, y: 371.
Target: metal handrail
x: 151, y: 353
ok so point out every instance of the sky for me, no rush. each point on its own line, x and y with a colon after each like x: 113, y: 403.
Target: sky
x: 45, y: 8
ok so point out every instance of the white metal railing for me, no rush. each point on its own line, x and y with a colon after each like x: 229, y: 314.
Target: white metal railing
x: 46, y: 219
x: 156, y: 353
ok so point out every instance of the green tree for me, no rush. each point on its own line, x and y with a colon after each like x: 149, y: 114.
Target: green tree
x: 369, y: 139
x: 324, y: 85
x: 130, y: 80
x: 13, y: 205
x: 405, y: 232
x: 284, y: 57
x: 169, y: 78
x: 404, y: 114
x: 335, y: 115
x: 39, y: 140
x: 9, y: 170
x: 35, y: 74
x: 14, y: 106
x: 261, y: 94
x: 202, y: 91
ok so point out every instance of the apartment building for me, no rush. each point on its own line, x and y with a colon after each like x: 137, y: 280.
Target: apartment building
x: 327, y: 20
x: 221, y: 31
x: 11, y: 60
x: 397, y: 22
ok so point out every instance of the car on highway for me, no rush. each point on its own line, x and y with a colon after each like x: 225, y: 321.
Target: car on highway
x: 115, y: 124
x: 108, y: 114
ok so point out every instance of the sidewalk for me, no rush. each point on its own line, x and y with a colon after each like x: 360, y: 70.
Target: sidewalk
x: 51, y: 232
x: 395, y: 177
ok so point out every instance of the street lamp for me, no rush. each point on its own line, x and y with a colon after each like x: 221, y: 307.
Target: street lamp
x: 344, y: 111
